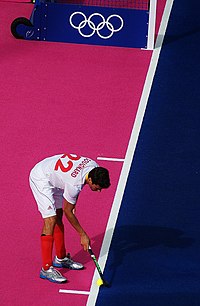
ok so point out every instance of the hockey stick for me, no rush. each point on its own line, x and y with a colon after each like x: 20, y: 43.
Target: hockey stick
x: 104, y: 282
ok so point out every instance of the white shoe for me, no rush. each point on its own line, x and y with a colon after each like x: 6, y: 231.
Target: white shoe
x: 68, y: 263
x: 52, y: 275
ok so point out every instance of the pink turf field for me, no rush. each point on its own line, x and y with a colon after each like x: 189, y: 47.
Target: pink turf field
x: 58, y: 98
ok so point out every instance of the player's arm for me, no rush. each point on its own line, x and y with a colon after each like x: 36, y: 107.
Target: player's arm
x: 68, y: 209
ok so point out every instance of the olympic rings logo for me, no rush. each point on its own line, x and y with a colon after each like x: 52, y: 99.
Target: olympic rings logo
x: 96, y: 28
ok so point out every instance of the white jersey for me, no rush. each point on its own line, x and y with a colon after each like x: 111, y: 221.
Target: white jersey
x: 66, y: 172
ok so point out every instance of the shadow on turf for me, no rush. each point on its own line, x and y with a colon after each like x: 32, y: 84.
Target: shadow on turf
x: 137, y: 237
x: 130, y: 239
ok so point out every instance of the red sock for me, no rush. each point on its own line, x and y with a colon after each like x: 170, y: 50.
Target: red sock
x: 59, y: 241
x: 47, y: 247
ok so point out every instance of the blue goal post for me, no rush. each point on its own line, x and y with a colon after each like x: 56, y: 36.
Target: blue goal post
x: 121, y: 23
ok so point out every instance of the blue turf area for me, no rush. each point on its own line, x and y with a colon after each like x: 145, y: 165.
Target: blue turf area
x: 154, y: 258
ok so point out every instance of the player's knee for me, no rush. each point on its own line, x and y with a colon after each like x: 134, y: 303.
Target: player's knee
x: 50, y: 222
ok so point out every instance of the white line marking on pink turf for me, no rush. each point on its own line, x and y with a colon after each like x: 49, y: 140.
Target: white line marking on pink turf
x: 74, y: 291
x: 111, y: 159
x: 130, y: 152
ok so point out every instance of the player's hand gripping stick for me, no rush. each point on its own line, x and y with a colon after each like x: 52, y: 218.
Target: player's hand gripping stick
x: 102, y: 281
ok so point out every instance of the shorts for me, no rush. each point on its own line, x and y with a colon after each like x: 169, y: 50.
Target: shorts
x: 48, y: 198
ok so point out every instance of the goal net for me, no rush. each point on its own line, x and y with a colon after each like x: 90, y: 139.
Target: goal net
x: 129, y: 4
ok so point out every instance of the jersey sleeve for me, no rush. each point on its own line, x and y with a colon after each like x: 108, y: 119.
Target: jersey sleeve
x: 70, y: 193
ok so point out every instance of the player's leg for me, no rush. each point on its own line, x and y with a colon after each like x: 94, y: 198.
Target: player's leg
x: 48, y: 271
x: 47, y: 241
x: 46, y: 207
x: 62, y: 260
x: 58, y: 235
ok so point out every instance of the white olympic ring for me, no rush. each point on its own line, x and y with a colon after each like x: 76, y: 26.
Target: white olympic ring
x: 95, y: 28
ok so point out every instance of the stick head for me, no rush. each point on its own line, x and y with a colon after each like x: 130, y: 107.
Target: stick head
x: 106, y: 284
x: 102, y: 283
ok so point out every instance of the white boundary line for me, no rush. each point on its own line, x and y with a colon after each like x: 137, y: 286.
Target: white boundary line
x: 111, y: 159
x: 74, y: 291
x: 130, y: 152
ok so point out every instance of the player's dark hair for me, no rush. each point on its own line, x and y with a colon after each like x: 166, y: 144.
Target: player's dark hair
x: 100, y: 176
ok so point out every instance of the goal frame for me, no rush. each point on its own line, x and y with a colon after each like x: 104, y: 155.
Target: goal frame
x: 152, y: 24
